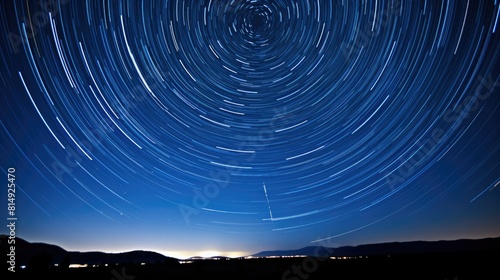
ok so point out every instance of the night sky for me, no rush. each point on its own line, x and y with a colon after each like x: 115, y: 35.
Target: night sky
x: 230, y: 127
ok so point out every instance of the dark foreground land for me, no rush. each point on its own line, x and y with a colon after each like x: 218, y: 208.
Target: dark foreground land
x: 456, y: 266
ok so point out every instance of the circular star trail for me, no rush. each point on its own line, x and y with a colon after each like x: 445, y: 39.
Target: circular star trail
x: 317, y: 118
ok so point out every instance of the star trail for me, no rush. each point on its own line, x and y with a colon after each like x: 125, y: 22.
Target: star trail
x: 183, y: 126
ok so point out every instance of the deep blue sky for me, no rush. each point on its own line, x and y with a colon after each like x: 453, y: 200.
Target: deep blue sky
x: 206, y: 127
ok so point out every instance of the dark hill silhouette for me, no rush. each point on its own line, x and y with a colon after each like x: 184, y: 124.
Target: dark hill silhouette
x: 460, y: 259
x: 396, y: 248
x: 26, y: 251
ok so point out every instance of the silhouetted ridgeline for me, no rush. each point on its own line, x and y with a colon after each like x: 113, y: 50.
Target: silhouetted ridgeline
x: 26, y: 252
x: 440, y: 260
x: 396, y: 248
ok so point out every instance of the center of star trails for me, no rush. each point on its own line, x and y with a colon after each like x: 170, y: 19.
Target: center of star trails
x: 257, y: 21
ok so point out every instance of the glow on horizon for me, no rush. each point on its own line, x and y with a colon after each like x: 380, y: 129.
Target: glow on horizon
x: 178, y: 254
x: 173, y: 254
x: 204, y: 254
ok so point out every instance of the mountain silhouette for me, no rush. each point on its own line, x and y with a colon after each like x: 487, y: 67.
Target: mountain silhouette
x: 394, y: 248
x: 27, y: 251
x: 458, y: 259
